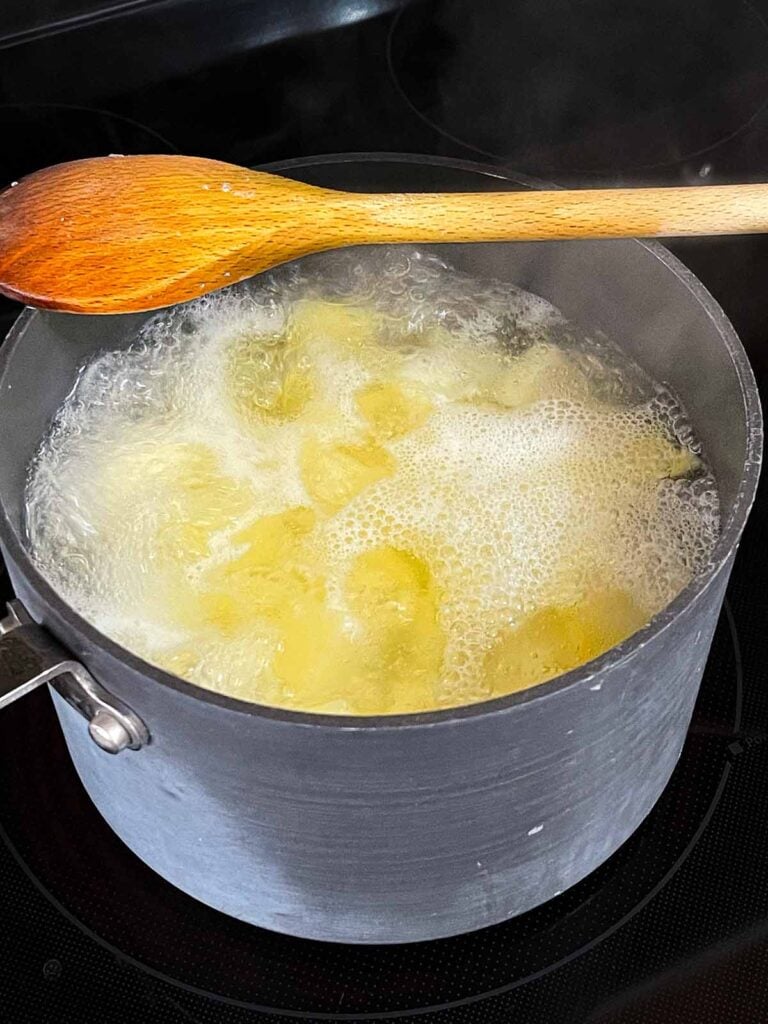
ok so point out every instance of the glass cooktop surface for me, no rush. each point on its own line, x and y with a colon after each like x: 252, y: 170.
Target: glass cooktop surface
x: 674, y: 927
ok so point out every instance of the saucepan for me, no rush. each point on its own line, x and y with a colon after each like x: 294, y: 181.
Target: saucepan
x: 404, y: 827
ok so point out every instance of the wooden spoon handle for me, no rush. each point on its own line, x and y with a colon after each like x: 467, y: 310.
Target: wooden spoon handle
x: 593, y: 213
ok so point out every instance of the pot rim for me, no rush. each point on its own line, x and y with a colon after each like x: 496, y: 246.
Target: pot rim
x: 726, y: 543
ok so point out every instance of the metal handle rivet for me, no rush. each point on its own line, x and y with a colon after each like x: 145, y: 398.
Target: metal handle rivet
x: 105, y: 730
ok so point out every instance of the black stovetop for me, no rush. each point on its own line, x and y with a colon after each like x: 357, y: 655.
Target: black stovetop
x: 674, y: 927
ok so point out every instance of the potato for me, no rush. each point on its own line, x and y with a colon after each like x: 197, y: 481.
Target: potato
x: 269, y: 578
x: 457, y: 371
x: 315, y: 660
x: 350, y: 327
x: 556, y: 639
x: 389, y: 660
x: 392, y: 410
x: 655, y: 457
x: 267, y: 380
x: 541, y: 371
x: 395, y: 601
x: 193, y: 498
x: 334, y: 472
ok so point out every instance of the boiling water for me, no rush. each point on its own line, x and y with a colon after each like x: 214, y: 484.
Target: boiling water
x: 368, y: 484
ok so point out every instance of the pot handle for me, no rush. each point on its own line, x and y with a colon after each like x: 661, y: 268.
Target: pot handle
x: 30, y: 657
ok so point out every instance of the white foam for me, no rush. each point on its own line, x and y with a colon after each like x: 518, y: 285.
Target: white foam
x: 536, y: 473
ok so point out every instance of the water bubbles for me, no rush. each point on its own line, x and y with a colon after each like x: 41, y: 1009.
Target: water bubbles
x: 395, y: 405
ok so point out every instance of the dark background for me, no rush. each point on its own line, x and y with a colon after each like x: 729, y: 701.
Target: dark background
x: 675, y: 928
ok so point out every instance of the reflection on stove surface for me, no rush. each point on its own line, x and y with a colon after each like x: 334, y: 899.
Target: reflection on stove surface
x: 563, y: 90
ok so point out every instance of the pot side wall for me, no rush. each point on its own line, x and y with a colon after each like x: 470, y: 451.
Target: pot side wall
x: 397, y: 833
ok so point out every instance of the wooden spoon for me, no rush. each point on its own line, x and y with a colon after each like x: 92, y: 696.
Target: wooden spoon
x: 121, y: 234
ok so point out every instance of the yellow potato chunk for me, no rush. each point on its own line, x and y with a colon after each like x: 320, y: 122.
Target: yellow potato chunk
x: 443, y: 366
x: 202, y: 502
x: 315, y: 660
x: 194, y: 499
x: 181, y: 661
x: 268, y: 579
x: 276, y: 536
x: 193, y: 502
x: 541, y: 371
x: 472, y: 374
x: 623, y: 465
x: 391, y: 659
x: 395, y: 600
x: 654, y: 457
x: 392, y: 410
x: 350, y: 327
x: 267, y: 379
x: 245, y: 672
x: 556, y: 639
x: 334, y: 472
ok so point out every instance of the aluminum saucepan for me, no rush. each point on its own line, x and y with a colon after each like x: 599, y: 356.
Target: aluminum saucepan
x: 408, y: 827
